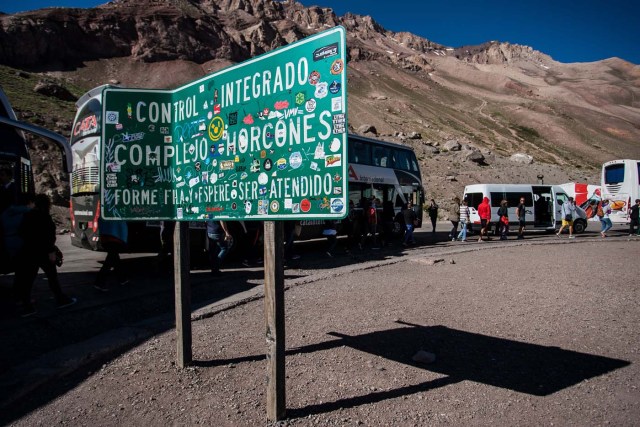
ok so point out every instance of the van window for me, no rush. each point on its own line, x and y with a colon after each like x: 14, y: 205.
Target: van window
x: 496, y: 198
x: 474, y: 199
x: 513, y: 199
x: 561, y: 198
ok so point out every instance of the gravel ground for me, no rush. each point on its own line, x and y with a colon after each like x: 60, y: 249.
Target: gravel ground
x: 531, y: 334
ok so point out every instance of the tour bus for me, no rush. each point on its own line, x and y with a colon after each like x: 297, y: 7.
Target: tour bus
x: 14, y: 157
x: 84, y: 204
x: 621, y: 185
x: 377, y: 169
x: 543, y: 205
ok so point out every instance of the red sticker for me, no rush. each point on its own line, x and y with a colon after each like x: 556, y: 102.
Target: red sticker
x: 305, y: 205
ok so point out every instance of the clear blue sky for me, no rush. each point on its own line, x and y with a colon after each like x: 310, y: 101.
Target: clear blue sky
x: 568, y: 30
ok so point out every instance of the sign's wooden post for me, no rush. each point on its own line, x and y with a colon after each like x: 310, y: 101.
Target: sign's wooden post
x: 181, y: 261
x: 274, y: 318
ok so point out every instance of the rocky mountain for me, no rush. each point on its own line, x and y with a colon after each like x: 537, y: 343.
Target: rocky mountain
x: 465, y: 110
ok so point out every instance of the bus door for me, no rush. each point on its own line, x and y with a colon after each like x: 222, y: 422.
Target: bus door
x: 559, y: 199
x: 544, y: 207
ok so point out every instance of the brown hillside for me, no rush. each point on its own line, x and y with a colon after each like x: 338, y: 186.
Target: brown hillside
x: 495, y: 99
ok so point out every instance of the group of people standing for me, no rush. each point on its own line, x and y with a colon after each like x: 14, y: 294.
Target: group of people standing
x: 461, y: 216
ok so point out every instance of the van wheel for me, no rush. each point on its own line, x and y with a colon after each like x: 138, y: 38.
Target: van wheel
x: 579, y: 226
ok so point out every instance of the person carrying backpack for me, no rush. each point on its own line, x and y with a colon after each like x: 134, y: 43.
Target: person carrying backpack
x: 568, y: 213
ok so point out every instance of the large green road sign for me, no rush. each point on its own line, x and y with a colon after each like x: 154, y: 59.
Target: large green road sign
x: 265, y: 139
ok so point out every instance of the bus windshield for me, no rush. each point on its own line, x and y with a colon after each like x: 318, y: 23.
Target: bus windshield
x: 614, y: 174
x: 85, y: 147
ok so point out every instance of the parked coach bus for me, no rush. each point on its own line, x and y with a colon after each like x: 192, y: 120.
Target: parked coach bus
x: 543, y: 205
x: 621, y: 185
x: 15, y: 159
x: 377, y: 169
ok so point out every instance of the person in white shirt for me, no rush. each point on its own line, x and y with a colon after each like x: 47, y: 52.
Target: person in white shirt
x: 568, y: 213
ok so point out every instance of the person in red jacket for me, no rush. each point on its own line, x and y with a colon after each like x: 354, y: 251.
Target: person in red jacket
x: 484, y: 211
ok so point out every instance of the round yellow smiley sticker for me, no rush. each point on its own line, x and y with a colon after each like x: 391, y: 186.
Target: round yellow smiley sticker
x: 216, y: 128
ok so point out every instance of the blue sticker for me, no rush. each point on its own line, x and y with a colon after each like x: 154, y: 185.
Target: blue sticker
x: 335, y: 86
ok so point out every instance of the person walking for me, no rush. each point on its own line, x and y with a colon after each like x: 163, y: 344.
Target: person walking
x: 330, y: 233
x: 388, y: 215
x: 503, y: 221
x: 568, y: 213
x: 464, y: 219
x: 635, y: 220
x: 521, y: 214
x: 219, y: 239
x: 12, y: 242
x: 39, y: 251
x: 113, y: 238
x: 351, y: 227
x: 409, y: 216
x: 372, y: 218
x: 484, y: 212
x: 455, y: 219
x: 605, y: 220
x: 432, y: 209
x: 289, y: 238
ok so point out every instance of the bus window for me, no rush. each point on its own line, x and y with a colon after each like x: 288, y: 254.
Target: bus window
x: 414, y: 163
x: 85, y: 177
x: 381, y: 156
x: 496, y: 198
x: 87, y: 122
x: 355, y: 192
x: 401, y: 160
x: 614, y: 174
x: 474, y: 199
x: 513, y: 199
x: 359, y: 152
x: 378, y: 191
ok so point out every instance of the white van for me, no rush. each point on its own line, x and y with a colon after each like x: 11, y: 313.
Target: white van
x: 543, y: 205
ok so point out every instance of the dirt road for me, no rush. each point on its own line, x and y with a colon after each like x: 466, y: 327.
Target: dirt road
x: 539, y: 333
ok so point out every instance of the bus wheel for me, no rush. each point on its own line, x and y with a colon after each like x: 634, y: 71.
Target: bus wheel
x: 579, y: 226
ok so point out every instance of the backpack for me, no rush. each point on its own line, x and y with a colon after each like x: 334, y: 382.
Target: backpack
x: 599, y: 211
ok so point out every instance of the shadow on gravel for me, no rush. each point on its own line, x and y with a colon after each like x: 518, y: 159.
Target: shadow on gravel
x: 526, y: 368
x: 38, y: 353
x: 461, y: 356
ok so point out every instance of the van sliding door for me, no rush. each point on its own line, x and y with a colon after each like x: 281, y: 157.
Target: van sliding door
x: 543, y: 207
